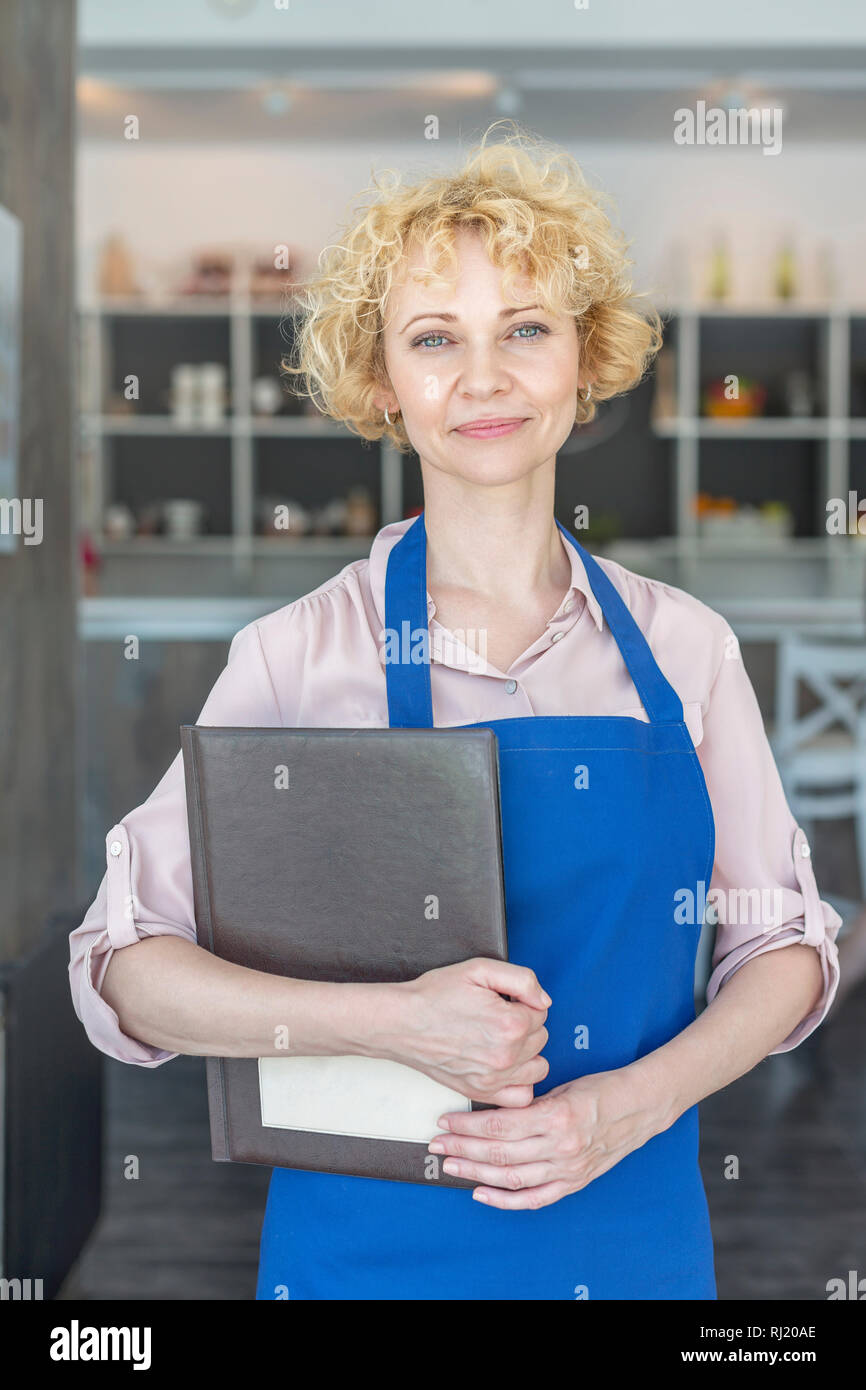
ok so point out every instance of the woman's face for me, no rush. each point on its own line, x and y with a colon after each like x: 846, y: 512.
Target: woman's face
x: 458, y: 354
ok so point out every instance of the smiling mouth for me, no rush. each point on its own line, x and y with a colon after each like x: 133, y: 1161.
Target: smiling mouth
x: 489, y: 429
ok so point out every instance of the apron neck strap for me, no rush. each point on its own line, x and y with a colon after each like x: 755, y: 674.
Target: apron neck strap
x: 407, y: 638
x: 658, y: 697
x: 410, y: 699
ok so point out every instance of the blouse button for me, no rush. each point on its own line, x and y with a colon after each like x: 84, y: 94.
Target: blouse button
x: 568, y: 605
x: 557, y: 637
x: 510, y: 687
x: 115, y: 848
x: 805, y: 850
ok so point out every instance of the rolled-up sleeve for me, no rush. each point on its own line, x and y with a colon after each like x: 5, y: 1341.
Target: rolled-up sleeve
x: 763, y: 891
x: 147, y: 888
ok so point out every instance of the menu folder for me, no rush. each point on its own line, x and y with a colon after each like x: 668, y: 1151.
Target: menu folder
x: 343, y: 855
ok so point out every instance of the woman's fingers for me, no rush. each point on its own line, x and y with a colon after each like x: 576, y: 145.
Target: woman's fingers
x: 513, y: 1097
x: 512, y: 1179
x: 531, y: 1072
x: 518, y: 981
x: 501, y: 1153
x: 538, y: 1040
x: 526, y: 1199
x: 499, y: 1125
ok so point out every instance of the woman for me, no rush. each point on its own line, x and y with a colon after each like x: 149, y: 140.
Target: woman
x: 475, y: 317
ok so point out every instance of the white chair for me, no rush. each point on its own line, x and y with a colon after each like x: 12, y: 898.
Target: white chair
x: 821, y: 755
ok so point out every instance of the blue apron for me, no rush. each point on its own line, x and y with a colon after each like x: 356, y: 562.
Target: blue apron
x: 604, y: 820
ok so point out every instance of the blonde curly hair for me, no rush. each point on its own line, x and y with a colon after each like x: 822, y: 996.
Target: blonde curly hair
x: 538, y: 217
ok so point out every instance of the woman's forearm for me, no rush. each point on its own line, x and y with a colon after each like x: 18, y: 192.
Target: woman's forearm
x: 752, y: 1013
x: 176, y: 995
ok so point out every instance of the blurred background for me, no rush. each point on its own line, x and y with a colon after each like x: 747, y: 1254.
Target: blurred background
x: 169, y: 173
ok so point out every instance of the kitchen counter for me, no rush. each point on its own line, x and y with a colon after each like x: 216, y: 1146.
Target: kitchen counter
x: 218, y: 619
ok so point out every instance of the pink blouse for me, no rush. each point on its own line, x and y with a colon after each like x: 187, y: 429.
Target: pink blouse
x: 318, y: 662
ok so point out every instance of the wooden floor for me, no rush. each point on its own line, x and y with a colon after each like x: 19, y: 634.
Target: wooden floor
x: 188, y: 1228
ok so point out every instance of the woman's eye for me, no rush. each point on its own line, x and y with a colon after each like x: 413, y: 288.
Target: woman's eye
x: 426, y: 339
x: 537, y: 329
x: 528, y: 333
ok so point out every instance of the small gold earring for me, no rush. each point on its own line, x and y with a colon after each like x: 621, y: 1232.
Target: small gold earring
x: 585, y: 395
x: 388, y: 417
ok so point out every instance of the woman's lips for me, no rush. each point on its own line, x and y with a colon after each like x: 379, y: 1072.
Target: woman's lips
x: 491, y: 430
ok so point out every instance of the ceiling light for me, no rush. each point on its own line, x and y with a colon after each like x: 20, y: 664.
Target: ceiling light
x: 277, y: 101
x: 508, y: 101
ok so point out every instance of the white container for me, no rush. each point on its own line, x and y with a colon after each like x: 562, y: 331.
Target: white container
x: 211, y: 393
x: 184, y: 393
x: 183, y: 518
x: 266, y: 396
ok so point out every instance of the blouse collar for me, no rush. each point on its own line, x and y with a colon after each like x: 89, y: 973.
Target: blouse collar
x: 389, y: 535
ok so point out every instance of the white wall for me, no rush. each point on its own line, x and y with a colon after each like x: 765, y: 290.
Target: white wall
x: 456, y: 23
x: 170, y: 199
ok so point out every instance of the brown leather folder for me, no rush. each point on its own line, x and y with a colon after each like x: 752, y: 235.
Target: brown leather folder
x: 342, y: 855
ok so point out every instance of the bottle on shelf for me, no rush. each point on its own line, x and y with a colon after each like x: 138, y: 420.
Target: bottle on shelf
x: 664, y: 403
x: 360, y: 512
x: 826, y: 276
x: 115, y: 276
x: 785, y: 272
x: 719, y: 277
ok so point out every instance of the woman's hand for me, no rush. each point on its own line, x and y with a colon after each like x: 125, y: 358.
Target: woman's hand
x: 455, y: 1027
x: 555, y: 1145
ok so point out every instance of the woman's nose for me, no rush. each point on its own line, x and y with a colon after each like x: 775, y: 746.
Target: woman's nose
x: 482, y: 369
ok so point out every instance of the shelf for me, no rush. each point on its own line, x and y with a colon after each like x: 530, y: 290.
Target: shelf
x: 788, y: 548
x: 187, y: 306
x: 773, y: 427
x: 151, y: 425
x: 170, y: 619
x: 804, y: 460
x: 278, y: 547
x: 218, y: 619
x: 295, y: 426
x: 165, y: 545
x: 766, y: 309
x: 288, y: 427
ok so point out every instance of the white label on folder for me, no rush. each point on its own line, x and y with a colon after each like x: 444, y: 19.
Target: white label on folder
x: 370, y: 1097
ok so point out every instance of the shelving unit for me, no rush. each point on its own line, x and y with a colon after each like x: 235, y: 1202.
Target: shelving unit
x: 229, y: 328
x: 823, y: 455
x: 829, y: 565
